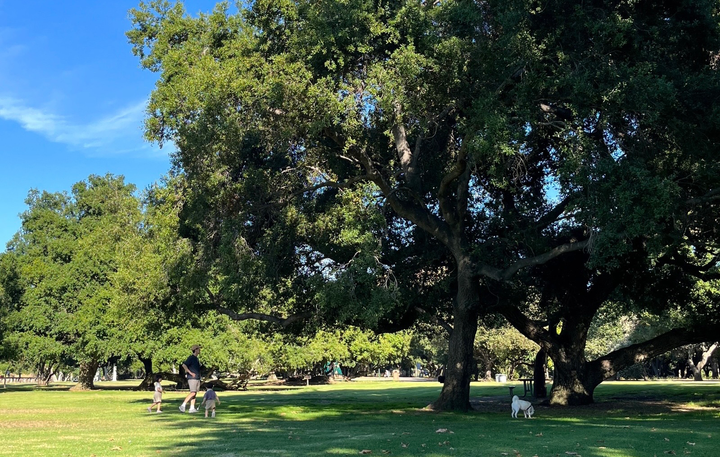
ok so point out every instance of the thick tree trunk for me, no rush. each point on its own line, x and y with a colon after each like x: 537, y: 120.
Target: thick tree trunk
x: 149, y: 381
x: 707, y: 353
x: 87, y: 375
x: 694, y: 369
x: 455, y: 393
x: 574, y: 384
x: 44, y: 375
x: 539, y: 374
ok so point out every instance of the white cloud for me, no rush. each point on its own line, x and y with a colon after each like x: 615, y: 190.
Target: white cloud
x: 113, y: 134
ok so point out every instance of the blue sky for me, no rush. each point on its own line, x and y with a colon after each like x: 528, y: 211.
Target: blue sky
x: 72, y: 98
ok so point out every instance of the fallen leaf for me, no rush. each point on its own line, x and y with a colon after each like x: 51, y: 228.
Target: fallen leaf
x: 539, y: 434
x: 691, y: 444
x: 385, y: 451
x: 667, y: 439
x: 404, y: 444
x: 366, y: 451
x: 116, y: 448
x: 670, y: 452
x: 441, y: 430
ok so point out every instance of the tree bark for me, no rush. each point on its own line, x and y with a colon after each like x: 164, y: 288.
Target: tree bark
x: 149, y: 380
x: 455, y: 394
x: 539, y: 374
x: 707, y: 353
x: 695, y: 370
x: 575, y: 379
x: 87, y: 375
x: 44, y: 374
x: 573, y: 384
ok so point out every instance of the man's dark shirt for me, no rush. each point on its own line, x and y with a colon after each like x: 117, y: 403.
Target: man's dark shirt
x: 193, y: 365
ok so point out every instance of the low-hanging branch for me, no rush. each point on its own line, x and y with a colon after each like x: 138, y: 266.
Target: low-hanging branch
x: 640, y: 352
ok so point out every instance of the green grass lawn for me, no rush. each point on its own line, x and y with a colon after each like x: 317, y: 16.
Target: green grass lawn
x: 377, y: 418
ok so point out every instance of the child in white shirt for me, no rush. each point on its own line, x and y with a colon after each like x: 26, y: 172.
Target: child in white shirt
x: 157, y: 395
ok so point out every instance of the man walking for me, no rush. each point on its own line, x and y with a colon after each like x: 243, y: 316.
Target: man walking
x: 192, y: 370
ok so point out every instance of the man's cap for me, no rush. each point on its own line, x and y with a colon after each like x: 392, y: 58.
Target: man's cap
x: 194, y: 347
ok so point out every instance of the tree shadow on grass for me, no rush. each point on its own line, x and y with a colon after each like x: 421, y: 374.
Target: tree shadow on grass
x: 29, y: 387
x: 395, y: 422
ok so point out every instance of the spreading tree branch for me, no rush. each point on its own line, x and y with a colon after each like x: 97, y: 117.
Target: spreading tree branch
x: 612, y: 363
x: 507, y: 273
x: 531, y: 329
x: 714, y: 194
x: 446, y: 187
x: 436, y: 320
x: 338, y: 185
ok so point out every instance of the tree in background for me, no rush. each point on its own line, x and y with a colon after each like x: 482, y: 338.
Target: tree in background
x: 151, y: 260
x: 36, y: 268
x: 504, y: 350
x: 64, y: 256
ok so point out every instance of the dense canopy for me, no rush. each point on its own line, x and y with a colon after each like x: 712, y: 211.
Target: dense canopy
x: 378, y: 160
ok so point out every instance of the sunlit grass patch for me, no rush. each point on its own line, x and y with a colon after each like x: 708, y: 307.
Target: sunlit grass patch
x: 628, y: 420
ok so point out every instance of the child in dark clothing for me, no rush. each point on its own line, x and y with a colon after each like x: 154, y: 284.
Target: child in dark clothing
x: 209, y: 400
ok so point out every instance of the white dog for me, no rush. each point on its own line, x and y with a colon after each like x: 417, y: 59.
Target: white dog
x: 521, y: 405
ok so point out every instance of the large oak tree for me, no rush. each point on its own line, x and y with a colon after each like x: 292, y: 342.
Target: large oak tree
x: 433, y: 149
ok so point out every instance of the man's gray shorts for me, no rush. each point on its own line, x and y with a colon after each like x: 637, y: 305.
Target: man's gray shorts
x: 194, y: 385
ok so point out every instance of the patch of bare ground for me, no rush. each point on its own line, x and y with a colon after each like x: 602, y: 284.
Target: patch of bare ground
x: 611, y: 406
